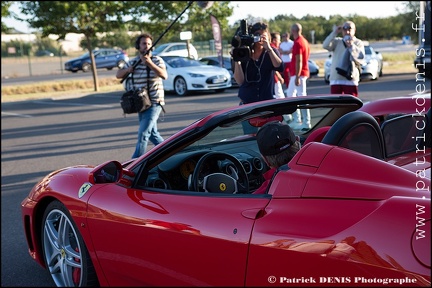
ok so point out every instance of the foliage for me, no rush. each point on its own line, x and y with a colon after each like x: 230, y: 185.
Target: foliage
x: 24, y: 48
x: 93, y: 18
x: 83, y: 17
x: 21, y: 48
x: 110, y: 23
x: 5, y: 13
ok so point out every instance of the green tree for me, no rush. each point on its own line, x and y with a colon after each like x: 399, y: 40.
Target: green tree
x: 92, y: 18
x: 5, y: 5
x: 86, y: 17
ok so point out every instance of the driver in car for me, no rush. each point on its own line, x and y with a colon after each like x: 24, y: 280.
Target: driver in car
x: 277, y: 144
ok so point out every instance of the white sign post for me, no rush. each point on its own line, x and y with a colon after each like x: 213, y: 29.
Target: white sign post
x: 186, y: 35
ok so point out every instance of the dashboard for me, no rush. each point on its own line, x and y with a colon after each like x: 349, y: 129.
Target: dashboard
x: 175, y: 172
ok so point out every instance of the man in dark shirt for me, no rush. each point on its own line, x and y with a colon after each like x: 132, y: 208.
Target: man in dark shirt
x: 277, y: 144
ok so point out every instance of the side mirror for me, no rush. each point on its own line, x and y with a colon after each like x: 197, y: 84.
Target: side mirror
x: 108, y: 172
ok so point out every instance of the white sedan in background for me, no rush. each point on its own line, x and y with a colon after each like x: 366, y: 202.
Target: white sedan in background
x: 186, y: 75
x: 371, y: 70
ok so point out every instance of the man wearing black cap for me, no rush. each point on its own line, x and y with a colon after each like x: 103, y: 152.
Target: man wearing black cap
x: 278, y: 144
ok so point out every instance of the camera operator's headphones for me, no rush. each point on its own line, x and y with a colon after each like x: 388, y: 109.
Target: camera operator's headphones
x: 258, y: 26
x: 137, y: 42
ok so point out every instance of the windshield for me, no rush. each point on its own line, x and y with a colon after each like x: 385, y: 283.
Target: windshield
x: 368, y: 50
x: 160, y: 48
x: 177, y: 62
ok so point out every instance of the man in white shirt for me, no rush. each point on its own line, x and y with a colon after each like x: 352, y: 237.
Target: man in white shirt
x: 285, y: 49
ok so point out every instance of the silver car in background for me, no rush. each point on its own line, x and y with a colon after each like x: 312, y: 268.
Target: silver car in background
x: 371, y: 70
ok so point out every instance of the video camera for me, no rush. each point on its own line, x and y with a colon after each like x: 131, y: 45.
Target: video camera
x: 243, y: 41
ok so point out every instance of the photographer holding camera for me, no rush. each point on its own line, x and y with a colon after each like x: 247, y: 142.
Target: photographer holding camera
x: 255, y: 62
x: 348, y: 56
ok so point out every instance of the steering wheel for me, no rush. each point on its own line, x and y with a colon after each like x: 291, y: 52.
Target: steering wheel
x: 230, y: 178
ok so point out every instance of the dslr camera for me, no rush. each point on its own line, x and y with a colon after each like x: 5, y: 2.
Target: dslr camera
x: 243, y: 41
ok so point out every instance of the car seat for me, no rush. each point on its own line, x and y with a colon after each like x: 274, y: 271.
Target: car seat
x: 317, y: 135
x: 358, y: 131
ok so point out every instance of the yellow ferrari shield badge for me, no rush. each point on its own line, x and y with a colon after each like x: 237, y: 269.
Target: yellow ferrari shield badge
x: 84, y: 188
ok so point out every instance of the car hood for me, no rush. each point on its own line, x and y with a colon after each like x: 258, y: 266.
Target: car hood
x: 204, y: 69
x: 369, y: 57
x: 76, y: 59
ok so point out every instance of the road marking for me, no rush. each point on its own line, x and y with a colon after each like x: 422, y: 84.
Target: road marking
x: 16, y: 115
x: 73, y: 104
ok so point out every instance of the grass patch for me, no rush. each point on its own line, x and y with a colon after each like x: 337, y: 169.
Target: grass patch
x: 397, y: 57
x: 56, y: 88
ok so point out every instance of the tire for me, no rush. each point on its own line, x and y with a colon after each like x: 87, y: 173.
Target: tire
x: 86, y: 67
x: 180, y: 86
x: 377, y: 76
x: 65, y: 254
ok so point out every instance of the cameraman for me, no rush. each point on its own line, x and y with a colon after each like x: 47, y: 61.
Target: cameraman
x: 255, y: 75
x: 348, y: 56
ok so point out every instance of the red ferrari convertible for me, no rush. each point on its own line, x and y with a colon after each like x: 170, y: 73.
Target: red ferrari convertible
x: 351, y: 209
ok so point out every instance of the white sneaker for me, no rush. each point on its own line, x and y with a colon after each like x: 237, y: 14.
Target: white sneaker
x: 296, y: 125
x: 306, y: 126
x: 288, y: 118
x: 300, y: 126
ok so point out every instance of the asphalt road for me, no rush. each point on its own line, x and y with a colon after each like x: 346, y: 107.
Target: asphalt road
x: 43, y: 135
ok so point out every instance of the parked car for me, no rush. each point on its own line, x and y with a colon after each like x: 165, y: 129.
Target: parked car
x: 372, y: 70
x: 184, y: 213
x: 327, y: 68
x: 176, y: 49
x: 104, y: 58
x: 422, y: 62
x: 313, y: 68
x: 214, y: 60
x: 186, y: 74
x: 41, y: 53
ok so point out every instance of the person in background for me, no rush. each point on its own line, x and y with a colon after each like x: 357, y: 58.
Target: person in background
x: 348, y: 55
x: 285, y: 49
x: 279, y: 80
x: 255, y: 76
x: 298, y: 80
x: 277, y: 144
x: 147, y: 130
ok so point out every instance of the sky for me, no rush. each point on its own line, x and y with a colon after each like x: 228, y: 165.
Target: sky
x: 269, y: 9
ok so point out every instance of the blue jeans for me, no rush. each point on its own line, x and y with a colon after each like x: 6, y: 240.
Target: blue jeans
x: 148, y: 129
x: 247, y: 128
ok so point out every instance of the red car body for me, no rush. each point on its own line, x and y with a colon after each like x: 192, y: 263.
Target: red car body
x: 336, y: 217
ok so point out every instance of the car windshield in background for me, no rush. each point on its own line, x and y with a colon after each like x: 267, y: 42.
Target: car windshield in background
x: 160, y: 48
x: 177, y: 62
